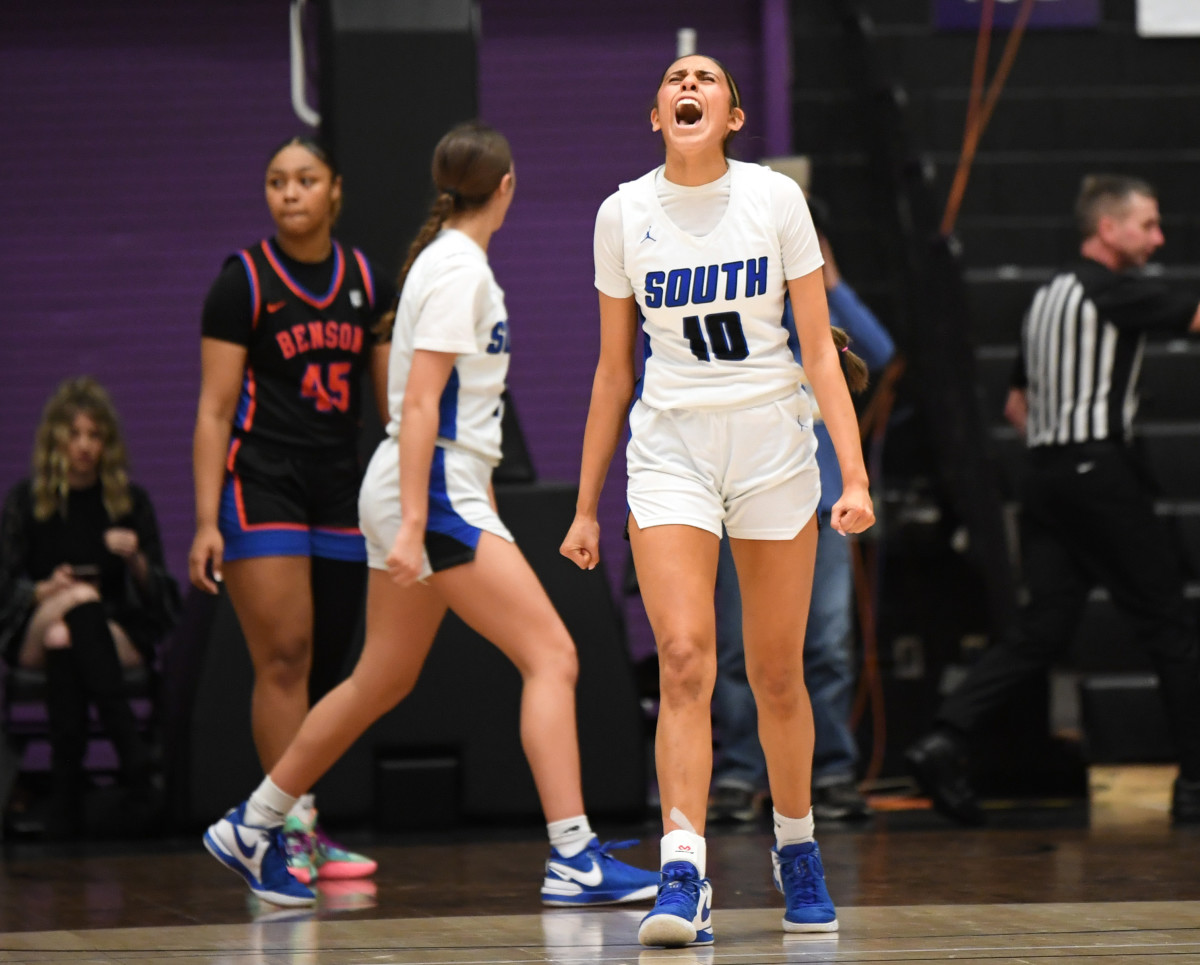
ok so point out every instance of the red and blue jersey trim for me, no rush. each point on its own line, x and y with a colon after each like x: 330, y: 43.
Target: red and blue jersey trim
x: 247, y: 401
x: 364, y: 269
x: 316, y: 301
x: 255, y: 288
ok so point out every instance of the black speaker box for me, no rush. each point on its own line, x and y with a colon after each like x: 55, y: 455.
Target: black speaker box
x: 394, y: 77
x: 1124, y: 721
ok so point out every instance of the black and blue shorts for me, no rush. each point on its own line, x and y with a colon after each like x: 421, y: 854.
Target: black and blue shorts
x: 277, y: 502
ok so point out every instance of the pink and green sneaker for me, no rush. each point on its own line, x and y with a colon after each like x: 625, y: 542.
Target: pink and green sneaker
x: 326, y: 859
x: 335, y: 863
x: 299, y: 850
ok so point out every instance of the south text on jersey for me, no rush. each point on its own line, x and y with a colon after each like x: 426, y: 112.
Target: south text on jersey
x: 701, y: 285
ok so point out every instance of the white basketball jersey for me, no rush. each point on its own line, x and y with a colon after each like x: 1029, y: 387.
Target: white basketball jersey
x: 713, y: 305
x: 451, y: 303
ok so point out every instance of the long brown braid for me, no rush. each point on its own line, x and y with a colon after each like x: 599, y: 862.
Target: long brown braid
x: 469, y: 163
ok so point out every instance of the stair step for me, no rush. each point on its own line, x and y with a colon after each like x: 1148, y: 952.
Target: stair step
x: 1167, y: 385
x: 989, y: 240
x: 997, y: 296
x: 1171, y: 451
x: 1124, y: 720
x: 1102, y: 118
x: 1106, y: 641
x: 918, y: 12
x: 1111, y: 55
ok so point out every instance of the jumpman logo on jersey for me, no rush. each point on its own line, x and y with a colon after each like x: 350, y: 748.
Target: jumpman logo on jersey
x: 649, y: 237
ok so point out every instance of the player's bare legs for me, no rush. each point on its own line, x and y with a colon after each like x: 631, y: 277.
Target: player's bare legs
x: 273, y: 601
x: 528, y: 630
x: 775, y: 577
x: 677, y: 572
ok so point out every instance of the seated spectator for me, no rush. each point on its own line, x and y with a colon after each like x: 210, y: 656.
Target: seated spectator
x: 84, y: 591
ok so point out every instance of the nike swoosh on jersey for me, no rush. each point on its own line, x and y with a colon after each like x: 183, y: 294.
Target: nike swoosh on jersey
x: 589, y: 879
x: 275, y: 306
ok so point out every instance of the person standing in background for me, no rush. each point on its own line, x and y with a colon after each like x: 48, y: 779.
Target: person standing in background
x: 1087, y: 513
x: 740, y: 771
x: 287, y: 335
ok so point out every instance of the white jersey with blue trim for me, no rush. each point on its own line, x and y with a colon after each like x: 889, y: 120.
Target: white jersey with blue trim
x: 712, y: 303
x: 451, y: 303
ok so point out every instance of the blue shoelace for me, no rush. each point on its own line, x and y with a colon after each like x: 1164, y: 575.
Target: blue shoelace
x: 680, y: 889
x: 604, y: 849
x: 278, y: 847
x: 800, y: 877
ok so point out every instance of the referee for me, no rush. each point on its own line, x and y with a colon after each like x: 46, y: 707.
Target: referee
x: 1087, y: 516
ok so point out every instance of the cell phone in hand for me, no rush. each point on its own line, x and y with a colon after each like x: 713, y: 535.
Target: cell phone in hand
x: 86, y: 572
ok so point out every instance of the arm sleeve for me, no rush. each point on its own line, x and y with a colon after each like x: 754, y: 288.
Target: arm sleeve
x: 1134, y: 303
x: 229, y: 309
x: 451, y: 308
x: 608, y: 249
x: 16, y: 587
x: 868, y: 338
x: 797, y: 237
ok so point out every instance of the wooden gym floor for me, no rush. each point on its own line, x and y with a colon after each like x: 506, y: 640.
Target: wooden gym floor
x: 1054, y: 885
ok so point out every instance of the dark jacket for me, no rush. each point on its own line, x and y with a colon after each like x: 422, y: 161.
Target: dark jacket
x: 146, y: 613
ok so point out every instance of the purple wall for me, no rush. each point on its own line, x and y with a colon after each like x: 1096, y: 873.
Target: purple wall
x: 572, y: 92
x: 135, y: 136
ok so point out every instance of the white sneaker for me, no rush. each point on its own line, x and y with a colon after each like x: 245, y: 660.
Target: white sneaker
x: 257, y: 854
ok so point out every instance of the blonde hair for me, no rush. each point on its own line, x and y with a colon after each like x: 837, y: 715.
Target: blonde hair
x: 49, y: 482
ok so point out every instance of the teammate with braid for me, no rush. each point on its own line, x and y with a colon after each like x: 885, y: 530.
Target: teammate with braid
x: 435, y: 542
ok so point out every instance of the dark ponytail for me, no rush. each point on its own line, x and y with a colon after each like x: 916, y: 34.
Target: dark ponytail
x: 441, y: 209
x: 469, y: 163
x: 854, y: 368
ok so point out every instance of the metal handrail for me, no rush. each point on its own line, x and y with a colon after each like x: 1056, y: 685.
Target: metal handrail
x: 300, y: 104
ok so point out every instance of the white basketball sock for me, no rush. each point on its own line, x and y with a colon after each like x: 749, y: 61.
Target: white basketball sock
x: 793, y: 830
x: 570, y: 835
x: 268, y: 805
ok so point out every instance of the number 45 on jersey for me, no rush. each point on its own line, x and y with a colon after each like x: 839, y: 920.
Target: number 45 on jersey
x: 332, y: 391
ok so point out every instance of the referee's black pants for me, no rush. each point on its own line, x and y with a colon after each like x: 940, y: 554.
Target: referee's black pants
x: 1086, y: 519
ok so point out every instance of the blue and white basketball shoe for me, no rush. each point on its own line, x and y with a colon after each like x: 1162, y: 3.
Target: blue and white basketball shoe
x: 800, y: 875
x: 595, y: 877
x: 258, y: 855
x: 682, y: 912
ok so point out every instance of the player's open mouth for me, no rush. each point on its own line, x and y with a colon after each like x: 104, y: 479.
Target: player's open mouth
x: 688, y: 112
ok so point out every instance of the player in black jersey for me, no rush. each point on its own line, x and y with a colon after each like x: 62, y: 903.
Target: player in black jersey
x: 286, y: 335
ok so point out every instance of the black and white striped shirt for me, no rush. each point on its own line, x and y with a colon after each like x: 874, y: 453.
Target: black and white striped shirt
x: 1081, y: 351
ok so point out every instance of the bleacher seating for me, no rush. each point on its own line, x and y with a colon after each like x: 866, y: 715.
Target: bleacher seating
x: 1076, y: 101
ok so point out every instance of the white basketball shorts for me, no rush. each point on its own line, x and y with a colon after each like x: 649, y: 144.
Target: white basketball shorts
x: 753, y: 470
x: 459, y: 509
